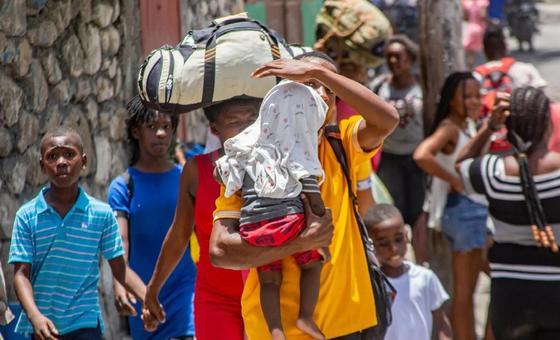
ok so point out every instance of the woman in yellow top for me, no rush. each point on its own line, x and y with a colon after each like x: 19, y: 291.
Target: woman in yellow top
x: 346, y: 304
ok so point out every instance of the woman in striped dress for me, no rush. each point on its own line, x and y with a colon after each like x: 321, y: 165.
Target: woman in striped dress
x: 523, y: 192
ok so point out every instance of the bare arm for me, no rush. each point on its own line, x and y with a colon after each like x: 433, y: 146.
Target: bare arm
x: 365, y: 200
x: 43, y: 328
x: 127, y: 277
x: 380, y: 117
x: 229, y: 250
x: 124, y: 300
x: 425, y: 155
x: 442, y: 326
x: 476, y: 146
x: 123, y: 230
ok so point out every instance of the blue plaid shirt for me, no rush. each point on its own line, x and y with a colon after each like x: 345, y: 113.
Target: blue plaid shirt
x: 64, y: 257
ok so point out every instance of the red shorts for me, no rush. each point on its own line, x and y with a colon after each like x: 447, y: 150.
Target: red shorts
x: 276, y: 232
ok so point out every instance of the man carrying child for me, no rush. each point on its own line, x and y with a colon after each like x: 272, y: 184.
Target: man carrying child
x: 345, y: 305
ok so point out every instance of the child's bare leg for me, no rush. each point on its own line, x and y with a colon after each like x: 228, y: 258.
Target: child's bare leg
x: 270, y: 282
x: 318, y: 208
x: 316, y: 203
x: 309, y: 292
x: 325, y: 254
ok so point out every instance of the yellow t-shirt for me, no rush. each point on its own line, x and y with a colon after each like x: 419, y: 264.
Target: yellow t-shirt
x: 346, y: 303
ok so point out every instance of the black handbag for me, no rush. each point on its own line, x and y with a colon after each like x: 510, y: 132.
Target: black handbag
x: 384, y: 292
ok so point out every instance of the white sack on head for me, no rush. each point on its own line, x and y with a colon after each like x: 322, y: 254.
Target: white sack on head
x: 280, y: 147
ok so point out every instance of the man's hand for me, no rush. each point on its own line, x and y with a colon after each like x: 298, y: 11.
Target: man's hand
x: 152, y: 310
x: 296, y: 70
x: 124, y: 300
x: 43, y: 328
x: 319, y: 230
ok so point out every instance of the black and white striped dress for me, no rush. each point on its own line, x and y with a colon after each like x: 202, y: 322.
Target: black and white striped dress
x: 514, y: 255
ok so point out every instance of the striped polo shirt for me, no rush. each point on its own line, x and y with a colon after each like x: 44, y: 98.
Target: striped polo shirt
x: 64, y: 257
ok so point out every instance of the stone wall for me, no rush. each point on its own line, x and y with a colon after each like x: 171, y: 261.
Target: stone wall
x: 69, y: 63
x: 74, y: 63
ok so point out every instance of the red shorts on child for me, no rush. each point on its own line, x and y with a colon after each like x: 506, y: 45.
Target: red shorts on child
x: 276, y: 232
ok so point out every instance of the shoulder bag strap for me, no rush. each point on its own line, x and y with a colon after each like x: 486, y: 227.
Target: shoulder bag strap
x: 332, y: 133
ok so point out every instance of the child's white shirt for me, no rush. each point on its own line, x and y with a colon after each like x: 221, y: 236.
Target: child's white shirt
x: 280, y: 147
x: 419, y: 293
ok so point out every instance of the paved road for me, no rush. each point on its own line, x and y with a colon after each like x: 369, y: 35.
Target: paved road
x: 547, y: 49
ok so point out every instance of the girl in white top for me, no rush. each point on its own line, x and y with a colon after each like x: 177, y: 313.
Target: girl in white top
x: 463, y: 221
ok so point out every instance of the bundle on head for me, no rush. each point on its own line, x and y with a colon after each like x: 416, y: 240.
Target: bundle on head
x: 527, y: 126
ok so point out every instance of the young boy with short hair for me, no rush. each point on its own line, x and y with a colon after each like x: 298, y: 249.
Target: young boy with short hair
x: 56, y: 242
x: 420, y: 294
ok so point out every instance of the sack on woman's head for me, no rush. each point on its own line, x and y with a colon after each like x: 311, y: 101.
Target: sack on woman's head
x: 211, y: 65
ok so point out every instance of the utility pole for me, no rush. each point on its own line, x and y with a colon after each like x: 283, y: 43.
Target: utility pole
x: 441, y: 53
x: 441, y: 48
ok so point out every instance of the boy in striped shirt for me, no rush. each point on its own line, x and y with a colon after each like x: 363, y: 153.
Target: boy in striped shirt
x: 56, y: 242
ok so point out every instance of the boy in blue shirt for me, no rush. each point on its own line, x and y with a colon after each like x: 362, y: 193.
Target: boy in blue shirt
x: 56, y: 242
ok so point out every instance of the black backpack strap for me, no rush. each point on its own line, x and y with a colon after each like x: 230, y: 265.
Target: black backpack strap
x: 332, y: 133
x: 383, y: 290
x: 130, y: 190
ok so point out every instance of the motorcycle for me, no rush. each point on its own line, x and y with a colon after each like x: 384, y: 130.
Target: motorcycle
x: 522, y: 17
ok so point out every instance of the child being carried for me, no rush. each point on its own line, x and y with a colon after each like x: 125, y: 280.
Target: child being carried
x: 271, y: 163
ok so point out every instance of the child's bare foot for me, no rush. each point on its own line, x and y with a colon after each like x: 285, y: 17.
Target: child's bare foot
x: 308, y: 326
x: 277, y: 334
x: 325, y: 254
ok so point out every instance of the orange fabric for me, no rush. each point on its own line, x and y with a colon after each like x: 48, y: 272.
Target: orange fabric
x: 346, y: 302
